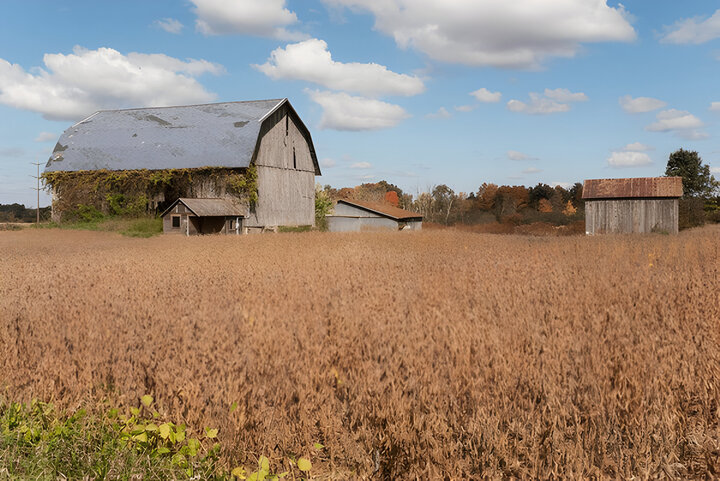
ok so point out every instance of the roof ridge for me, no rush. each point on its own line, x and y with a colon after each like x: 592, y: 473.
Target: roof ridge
x: 190, y: 105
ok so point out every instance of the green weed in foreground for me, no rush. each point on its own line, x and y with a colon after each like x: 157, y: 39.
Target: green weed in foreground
x: 40, y: 443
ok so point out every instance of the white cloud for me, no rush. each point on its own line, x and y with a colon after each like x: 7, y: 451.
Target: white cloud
x: 715, y: 107
x: 637, y: 147
x: 512, y: 34
x: 46, y: 137
x: 565, y: 96
x: 484, y: 95
x: 715, y: 170
x: 73, y: 86
x: 694, y: 30
x: 465, y: 108
x: 328, y: 163
x: 361, y: 165
x: 549, y: 102
x: 680, y: 122
x: 640, y: 104
x: 442, y: 113
x: 311, y: 61
x: 262, y: 18
x: 532, y: 170
x: 342, y: 111
x: 628, y: 159
x: 515, y: 155
x: 170, y: 25
x: 564, y: 185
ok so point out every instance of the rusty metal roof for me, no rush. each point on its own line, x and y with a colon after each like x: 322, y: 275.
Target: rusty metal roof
x: 641, y: 187
x: 385, y: 210
x: 183, y: 137
x: 210, y: 207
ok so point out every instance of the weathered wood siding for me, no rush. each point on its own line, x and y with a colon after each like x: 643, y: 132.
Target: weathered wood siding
x: 178, y: 210
x: 624, y: 216
x: 286, y: 175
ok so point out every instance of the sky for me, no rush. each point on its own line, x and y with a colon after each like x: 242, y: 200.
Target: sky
x: 414, y: 92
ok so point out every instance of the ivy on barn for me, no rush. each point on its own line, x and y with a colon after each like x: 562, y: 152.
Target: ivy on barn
x: 129, y: 192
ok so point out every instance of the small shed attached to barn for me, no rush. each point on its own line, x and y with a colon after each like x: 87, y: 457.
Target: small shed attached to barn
x: 355, y: 216
x: 203, y: 216
x: 637, y: 205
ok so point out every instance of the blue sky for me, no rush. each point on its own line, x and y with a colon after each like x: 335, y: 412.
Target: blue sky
x: 416, y: 92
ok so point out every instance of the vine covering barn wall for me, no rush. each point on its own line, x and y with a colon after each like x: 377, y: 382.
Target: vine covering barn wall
x: 138, y: 192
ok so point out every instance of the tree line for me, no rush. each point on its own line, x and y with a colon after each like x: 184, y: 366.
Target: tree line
x: 517, y: 204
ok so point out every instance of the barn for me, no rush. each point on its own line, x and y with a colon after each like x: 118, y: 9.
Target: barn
x: 355, y: 216
x: 637, y: 205
x: 256, y: 153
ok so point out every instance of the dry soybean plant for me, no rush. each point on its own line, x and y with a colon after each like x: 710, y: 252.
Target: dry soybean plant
x: 427, y: 355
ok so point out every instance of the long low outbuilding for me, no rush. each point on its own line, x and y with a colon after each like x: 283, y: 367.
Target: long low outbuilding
x: 203, y: 216
x: 634, y: 205
x: 357, y: 216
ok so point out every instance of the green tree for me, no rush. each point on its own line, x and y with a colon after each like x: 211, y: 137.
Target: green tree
x: 323, y: 206
x: 696, y: 177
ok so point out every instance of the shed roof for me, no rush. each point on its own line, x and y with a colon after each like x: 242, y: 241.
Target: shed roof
x: 641, y: 187
x: 182, y: 137
x: 210, y: 207
x: 384, y: 210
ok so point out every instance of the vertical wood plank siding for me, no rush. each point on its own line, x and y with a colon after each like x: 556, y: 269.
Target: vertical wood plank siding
x: 286, y: 175
x: 623, y: 216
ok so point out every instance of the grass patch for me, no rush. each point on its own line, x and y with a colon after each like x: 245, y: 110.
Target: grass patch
x: 144, y: 228
x: 299, y: 228
x: 141, y: 227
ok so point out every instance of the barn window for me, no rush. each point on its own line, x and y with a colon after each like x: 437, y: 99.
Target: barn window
x: 294, y: 159
x: 287, y: 125
x: 176, y: 221
x: 232, y: 224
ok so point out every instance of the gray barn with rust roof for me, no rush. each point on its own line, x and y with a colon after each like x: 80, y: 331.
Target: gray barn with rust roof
x: 636, y: 205
x: 212, y: 142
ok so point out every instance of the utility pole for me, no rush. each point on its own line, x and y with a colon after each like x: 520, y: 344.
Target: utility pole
x: 37, y: 164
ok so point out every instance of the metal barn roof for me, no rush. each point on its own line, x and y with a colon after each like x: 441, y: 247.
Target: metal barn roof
x: 209, y: 207
x: 384, y: 210
x: 641, y: 187
x: 183, y: 137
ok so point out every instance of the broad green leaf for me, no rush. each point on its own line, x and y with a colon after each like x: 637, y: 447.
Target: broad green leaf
x: 283, y: 474
x: 239, y: 472
x: 165, y: 430
x: 141, y: 438
x: 318, y: 446
x: 151, y: 427
x: 135, y: 411
x: 163, y: 450
x: 193, y: 444
x: 211, y: 433
x: 304, y: 464
x: 233, y: 406
x: 253, y: 477
x: 147, y: 400
x: 264, y: 464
